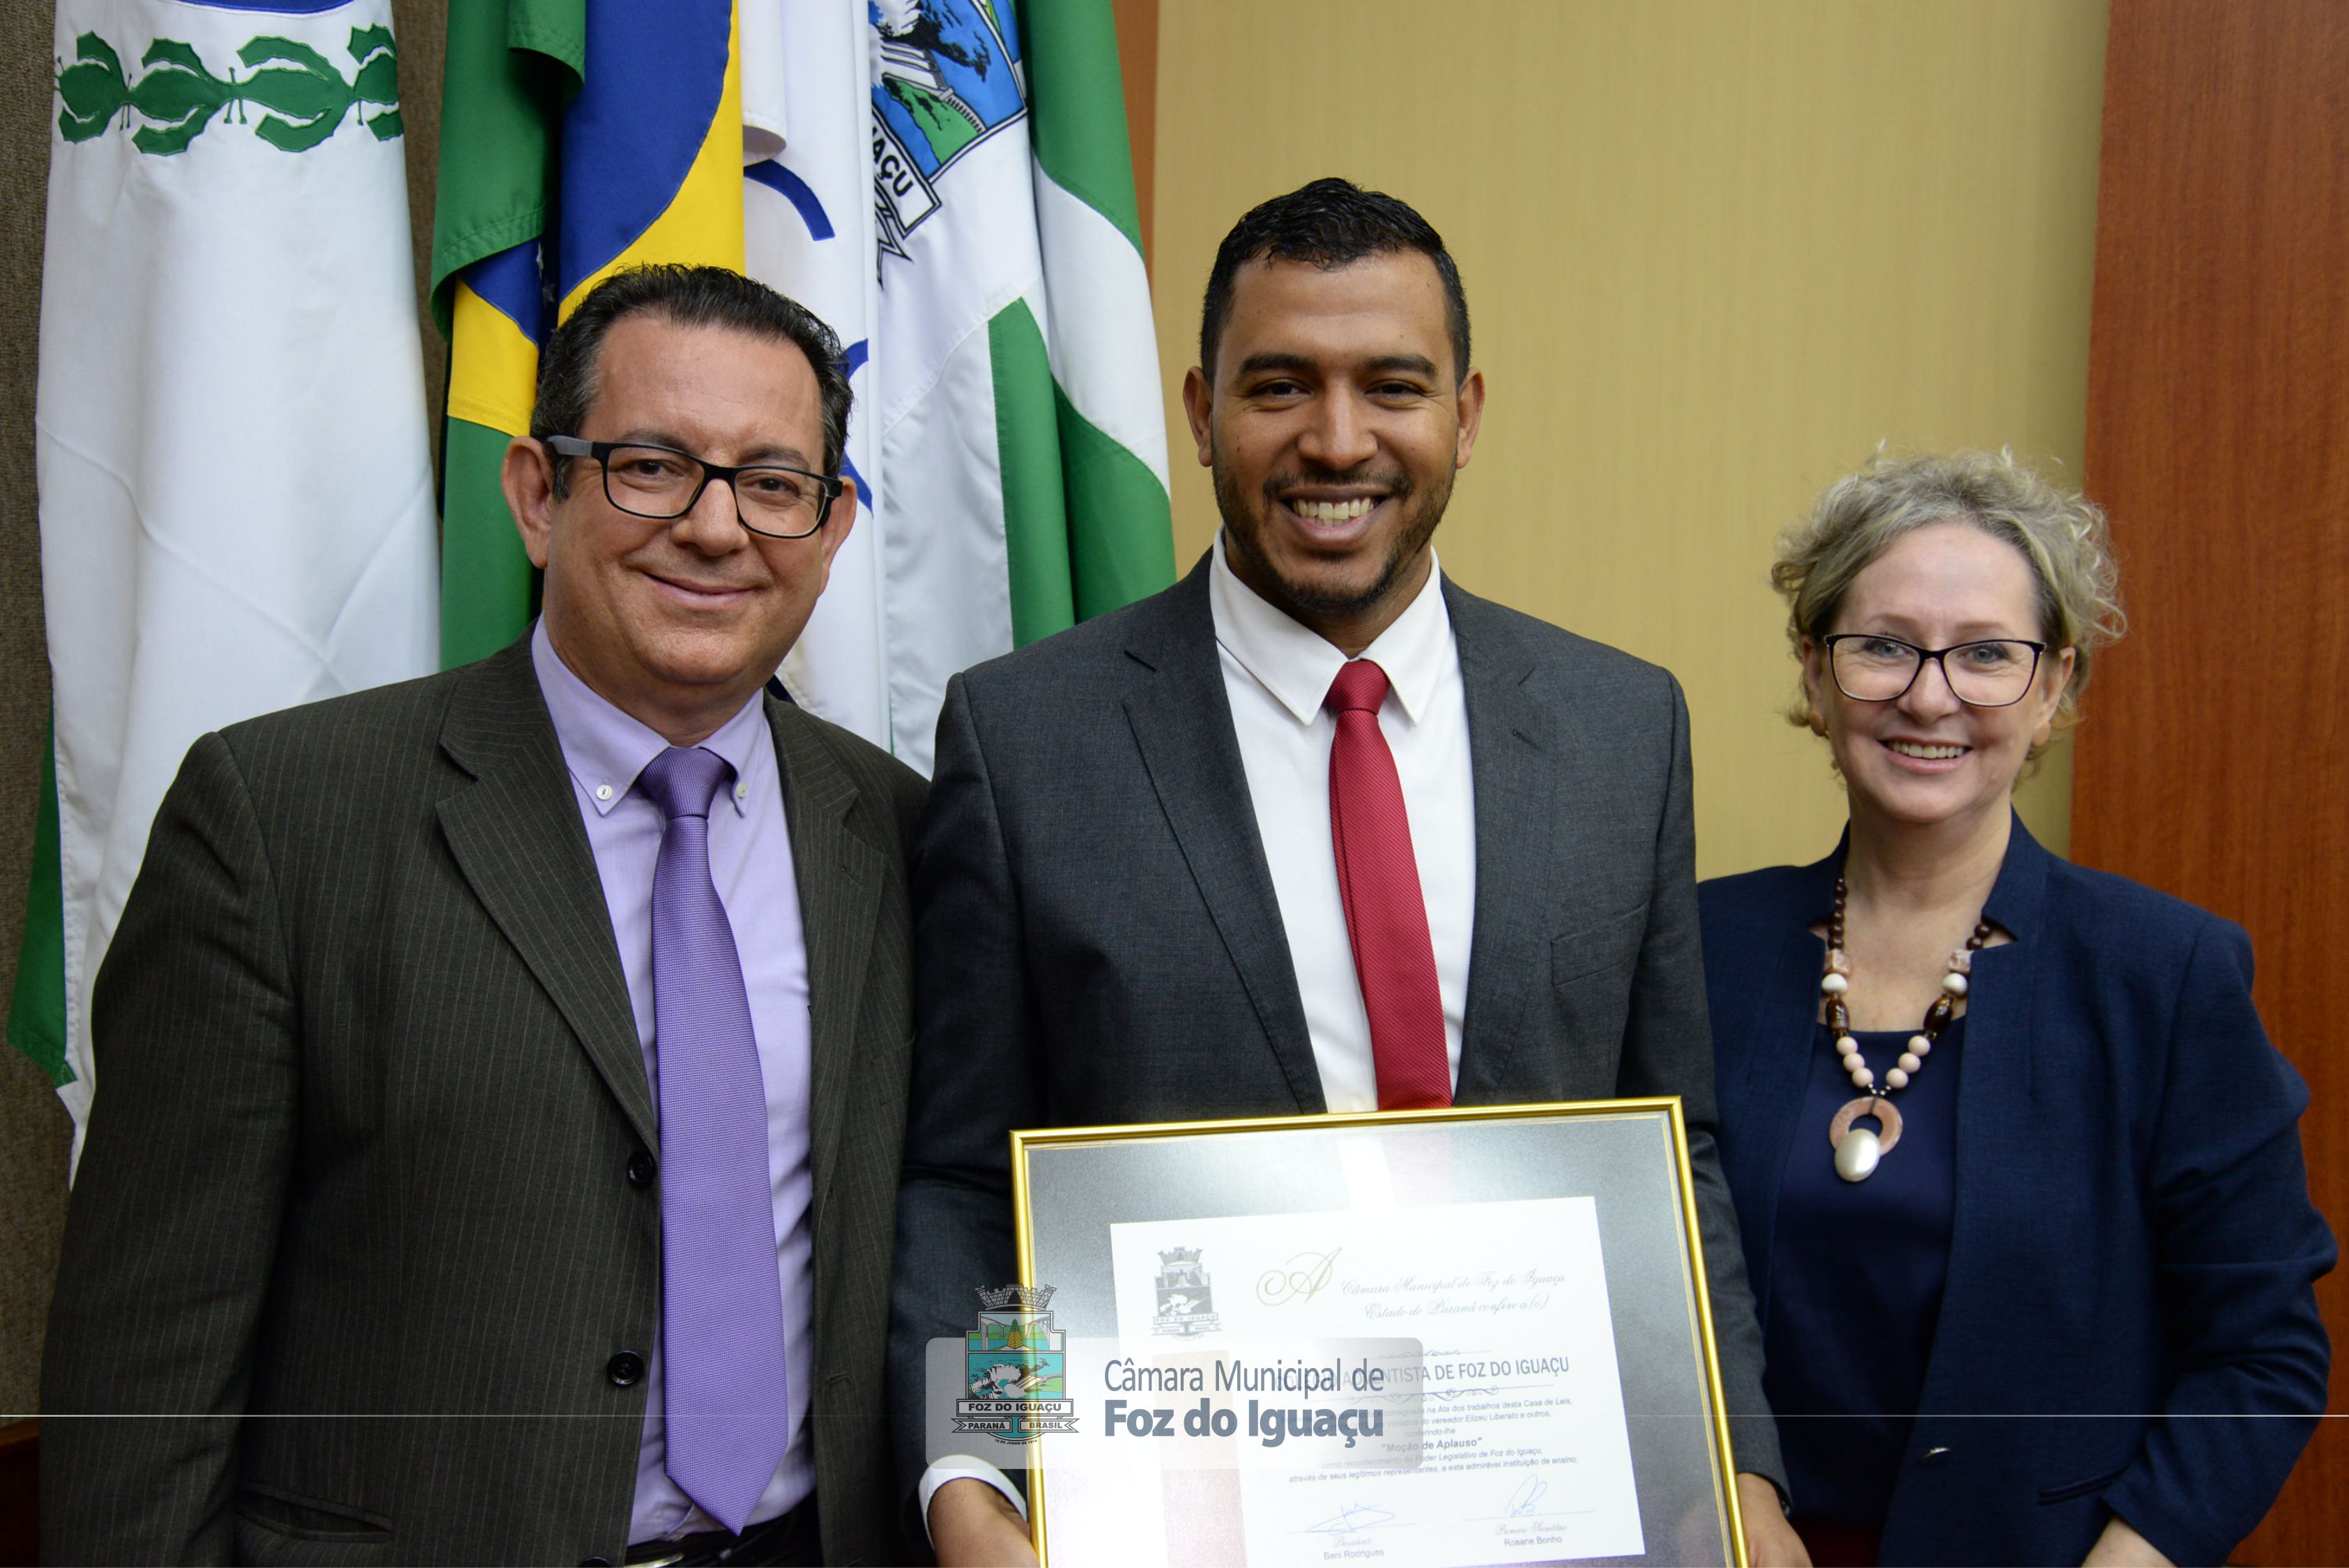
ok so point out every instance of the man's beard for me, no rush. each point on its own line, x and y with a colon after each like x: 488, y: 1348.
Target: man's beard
x: 1421, y: 511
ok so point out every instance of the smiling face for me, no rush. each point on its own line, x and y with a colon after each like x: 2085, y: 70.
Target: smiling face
x: 1334, y: 425
x: 1925, y: 759
x: 678, y: 624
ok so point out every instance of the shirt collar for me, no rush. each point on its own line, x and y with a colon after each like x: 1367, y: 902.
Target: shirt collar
x: 1296, y: 664
x: 606, y: 748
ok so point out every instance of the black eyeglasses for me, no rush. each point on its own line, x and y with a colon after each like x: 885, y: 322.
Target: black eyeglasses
x: 663, y: 483
x: 1994, y: 673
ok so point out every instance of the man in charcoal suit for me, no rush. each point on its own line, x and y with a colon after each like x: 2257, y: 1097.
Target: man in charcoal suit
x: 1131, y: 905
x: 497, y: 1149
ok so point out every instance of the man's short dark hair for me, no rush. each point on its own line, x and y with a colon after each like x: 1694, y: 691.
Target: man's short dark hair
x: 688, y: 296
x: 1329, y: 224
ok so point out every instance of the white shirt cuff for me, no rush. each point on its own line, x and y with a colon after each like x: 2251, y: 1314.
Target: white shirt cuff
x: 965, y: 1467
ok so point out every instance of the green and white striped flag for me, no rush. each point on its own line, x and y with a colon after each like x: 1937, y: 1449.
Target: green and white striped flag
x: 1009, y: 431
x: 235, y: 484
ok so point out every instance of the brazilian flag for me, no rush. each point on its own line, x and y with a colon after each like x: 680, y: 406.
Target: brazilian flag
x: 577, y: 138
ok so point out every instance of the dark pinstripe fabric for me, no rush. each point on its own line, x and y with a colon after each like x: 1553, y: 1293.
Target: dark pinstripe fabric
x: 353, y: 1239
x: 1100, y: 943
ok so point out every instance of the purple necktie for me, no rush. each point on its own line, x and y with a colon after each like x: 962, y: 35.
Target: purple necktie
x: 722, y: 1299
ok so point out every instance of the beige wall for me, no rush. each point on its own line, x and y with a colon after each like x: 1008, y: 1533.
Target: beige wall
x: 1714, y: 252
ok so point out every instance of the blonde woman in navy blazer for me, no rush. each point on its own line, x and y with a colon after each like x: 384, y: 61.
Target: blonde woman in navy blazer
x: 2018, y: 1173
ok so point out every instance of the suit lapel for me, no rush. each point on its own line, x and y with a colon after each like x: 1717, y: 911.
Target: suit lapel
x: 1994, y: 1095
x: 839, y: 878
x: 1517, y: 765
x: 516, y: 835
x: 1181, y: 722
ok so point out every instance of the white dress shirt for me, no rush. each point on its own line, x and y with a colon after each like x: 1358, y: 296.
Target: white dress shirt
x: 1277, y: 674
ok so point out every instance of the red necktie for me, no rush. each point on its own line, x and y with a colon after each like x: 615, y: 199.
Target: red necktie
x: 1386, y: 918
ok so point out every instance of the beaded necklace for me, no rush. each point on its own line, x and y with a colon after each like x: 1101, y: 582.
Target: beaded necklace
x: 1857, y: 1152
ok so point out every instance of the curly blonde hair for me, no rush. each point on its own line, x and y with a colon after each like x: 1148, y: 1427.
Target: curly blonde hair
x: 2058, y: 531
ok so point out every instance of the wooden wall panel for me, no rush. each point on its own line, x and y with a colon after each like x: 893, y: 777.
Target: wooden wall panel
x: 20, y: 1494
x: 1137, y: 67
x: 2214, y: 758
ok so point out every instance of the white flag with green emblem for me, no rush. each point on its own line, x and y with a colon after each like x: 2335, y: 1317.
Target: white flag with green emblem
x: 235, y: 484
x: 1007, y: 375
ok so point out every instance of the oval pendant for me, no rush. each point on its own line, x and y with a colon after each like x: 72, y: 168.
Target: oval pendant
x: 1855, y: 1156
x: 1858, y: 1151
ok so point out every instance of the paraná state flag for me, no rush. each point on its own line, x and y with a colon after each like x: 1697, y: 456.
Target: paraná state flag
x: 231, y: 444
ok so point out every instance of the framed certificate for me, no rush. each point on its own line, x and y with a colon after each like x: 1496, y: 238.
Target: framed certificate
x: 1426, y: 1339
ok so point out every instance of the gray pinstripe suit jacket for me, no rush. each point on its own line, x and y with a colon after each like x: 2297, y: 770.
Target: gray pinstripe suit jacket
x: 1099, y: 941
x: 354, y: 1232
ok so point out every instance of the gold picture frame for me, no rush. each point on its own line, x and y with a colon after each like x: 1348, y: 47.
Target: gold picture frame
x: 1233, y: 1139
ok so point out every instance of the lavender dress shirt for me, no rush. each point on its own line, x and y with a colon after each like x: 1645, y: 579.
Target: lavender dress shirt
x: 751, y: 860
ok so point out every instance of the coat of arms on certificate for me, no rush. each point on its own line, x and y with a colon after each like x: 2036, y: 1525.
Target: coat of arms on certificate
x: 1186, y: 1303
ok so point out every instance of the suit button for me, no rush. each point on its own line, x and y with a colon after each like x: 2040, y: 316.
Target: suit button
x: 595, y: 1563
x: 624, y: 1370
x: 641, y: 1167
x: 1933, y: 1455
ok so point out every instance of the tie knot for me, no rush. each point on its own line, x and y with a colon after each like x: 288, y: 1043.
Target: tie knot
x: 1361, y: 687
x: 683, y: 781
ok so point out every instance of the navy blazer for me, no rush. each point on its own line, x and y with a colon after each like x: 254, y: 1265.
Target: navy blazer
x: 2133, y: 1237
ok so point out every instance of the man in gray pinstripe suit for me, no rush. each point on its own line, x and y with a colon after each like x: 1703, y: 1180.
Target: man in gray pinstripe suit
x: 437, y: 1028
